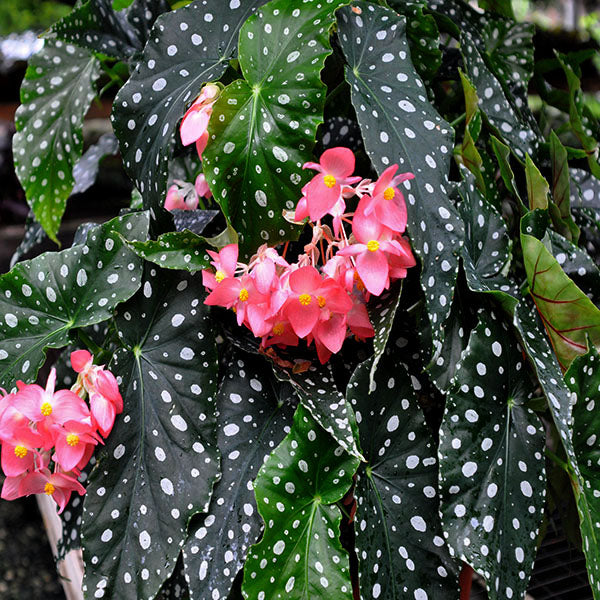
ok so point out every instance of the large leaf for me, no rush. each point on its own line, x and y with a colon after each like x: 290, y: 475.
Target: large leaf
x: 398, y: 532
x: 95, y: 25
x: 263, y: 126
x: 492, y: 475
x: 300, y: 555
x: 43, y: 299
x: 583, y: 378
x: 187, y: 48
x: 254, y: 413
x: 568, y: 314
x: 401, y: 126
x: 56, y: 93
x: 160, y: 461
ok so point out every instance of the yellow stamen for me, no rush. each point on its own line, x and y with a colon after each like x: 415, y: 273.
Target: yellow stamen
x: 321, y: 301
x: 244, y: 295
x: 388, y: 193
x: 46, y: 409
x: 304, y: 299
x: 219, y: 276
x: 20, y: 451
x: 72, y: 439
x: 329, y: 181
x: 373, y: 246
x: 49, y: 489
x: 278, y: 328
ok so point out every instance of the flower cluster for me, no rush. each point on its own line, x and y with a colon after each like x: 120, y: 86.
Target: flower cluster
x: 322, y: 296
x: 39, y: 426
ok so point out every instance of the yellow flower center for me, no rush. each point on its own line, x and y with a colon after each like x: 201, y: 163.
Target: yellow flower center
x: 72, y: 439
x: 244, y: 294
x: 278, y: 328
x: 373, y: 246
x: 321, y: 301
x: 388, y: 193
x: 49, y: 489
x: 219, y: 276
x: 20, y: 451
x: 46, y: 409
x: 304, y: 299
x: 329, y: 181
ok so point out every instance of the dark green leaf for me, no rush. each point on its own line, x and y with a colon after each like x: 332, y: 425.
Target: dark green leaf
x: 502, y: 153
x: 402, y: 127
x: 86, y: 169
x: 160, y: 462
x: 254, y: 413
x: 300, y: 555
x: 502, y: 7
x: 263, y: 127
x: 56, y: 93
x: 188, y: 47
x: 492, y: 474
x: 34, y: 235
x: 398, y: 533
x: 43, y: 299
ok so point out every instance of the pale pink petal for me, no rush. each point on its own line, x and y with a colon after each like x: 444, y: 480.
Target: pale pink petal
x: 80, y: 360
x: 338, y: 162
x: 201, y: 186
x: 385, y: 179
x: 305, y: 280
x: 320, y: 197
x: 193, y: 126
x: 264, y: 274
x: 103, y: 413
x: 228, y: 255
x: 201, y: 143
x: 373, y: 270
x: 10, y: 488
x: 302, y: 317
x: 332, y: 332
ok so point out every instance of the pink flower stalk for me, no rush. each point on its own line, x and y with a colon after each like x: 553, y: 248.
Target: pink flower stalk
x: 325, y: 189
x: 387, y: 201
x: 57, y: 485
x: 194, y: 125
x: 224, y: 262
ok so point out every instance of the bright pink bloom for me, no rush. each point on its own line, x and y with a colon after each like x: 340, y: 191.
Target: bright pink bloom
x: 387, y: 201
x: 225, y: 263
x: 400, y: 262
x: 359, y: 322
x: 72, y: 440
x: 201, y: 186
x: 181, y: 196
x: 325, y: 189
x: 19, y: 450
x: 81, y: 360
x: 57, y: 485
x: 263, y: 268
x: 281, y: 333
x: 10, y: 488
x: 194, y: 125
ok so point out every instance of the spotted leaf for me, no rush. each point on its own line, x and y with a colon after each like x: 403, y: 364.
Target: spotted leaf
x: 254, y: 413
x: 160, y: 462
x: 295, y: 490
x: 34, y: 235
x: 187, y: 48
x: 568, y: 314
x: 263, y: 127
x: 43, y: 299
x: 55, y: 95
x: 583, y: 378
x: 398, y: 532
x: 399, y: 125
x: 492, y: 475
x: 97, y: 26
x: 86, y: 169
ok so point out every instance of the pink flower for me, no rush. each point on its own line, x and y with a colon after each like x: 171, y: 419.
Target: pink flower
x: 201, y: 186
x: 281, y: 334
x: 263, y: 268
x: 181, y: 196
x: 325, y: 189
x: 72, y: 440
x: 10, y: 488
x: 387, y: 201
x: 194, y: 125
x: 225, y: 263
x: 19, y: 450
x: 359, y: 322
x: 57, y: 485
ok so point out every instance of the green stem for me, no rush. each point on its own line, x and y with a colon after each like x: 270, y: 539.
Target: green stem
x: 559, y: 461
x: 458, y: 120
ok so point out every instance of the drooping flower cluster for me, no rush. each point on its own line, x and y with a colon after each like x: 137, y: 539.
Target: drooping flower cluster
x: 43, y: 428
x: 322, y: 296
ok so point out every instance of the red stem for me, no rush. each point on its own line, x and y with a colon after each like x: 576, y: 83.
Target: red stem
x: 465, y: 580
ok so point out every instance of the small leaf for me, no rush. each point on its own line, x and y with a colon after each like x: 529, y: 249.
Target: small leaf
x: 34, y: 235
x: 86, y: 169
x: 502, y: 153
x: 43, y: 299
x: 405, y: 129
x: 295, y: 490
x: 583, y: 378
x: 492, y: 475
x: 160, y: 462
x: 537, y: 186
x: 55, y: 95
x: 263, y: 127
x: 254, y: 413
x: 187, y: 48
x: 502, y: 7
x: 398, y: 533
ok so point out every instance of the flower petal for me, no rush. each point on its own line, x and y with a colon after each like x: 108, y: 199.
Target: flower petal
x: 338, y: 162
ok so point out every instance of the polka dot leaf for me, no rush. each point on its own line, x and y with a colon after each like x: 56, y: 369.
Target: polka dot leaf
x: 399, y: 125
x: 160, y: 462
x: 319, y: 394
x: 300, y: 555
x: 254, y: 413
x: 33, y: 236
x: 263, y: 127
x: 43, y: 299
x: 399, y: 540
x: 56, y: 93
x: 95, y: 25
x: 86, y: 169
x: 583, y: 378
x: 187, y: 48
x: 492, y: 474
x: 569, y: 316
x: 585, y: 192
